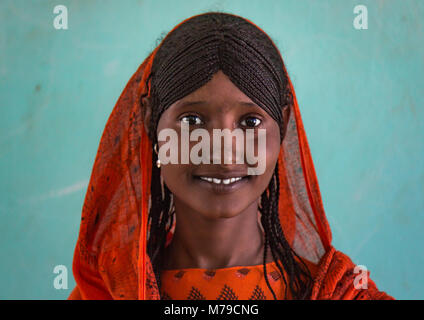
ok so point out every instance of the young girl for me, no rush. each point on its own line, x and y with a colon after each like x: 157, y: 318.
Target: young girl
x: 199, y: 230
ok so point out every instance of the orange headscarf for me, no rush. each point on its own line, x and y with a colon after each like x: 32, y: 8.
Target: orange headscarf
x: 110, y: 259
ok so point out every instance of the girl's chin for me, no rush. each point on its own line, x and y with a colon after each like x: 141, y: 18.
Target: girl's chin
x: 212, y: 208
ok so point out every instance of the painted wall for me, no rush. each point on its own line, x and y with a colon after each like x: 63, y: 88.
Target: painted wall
x: 360, y: 94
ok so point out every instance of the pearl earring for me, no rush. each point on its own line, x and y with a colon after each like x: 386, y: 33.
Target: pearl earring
x: 156, y: 150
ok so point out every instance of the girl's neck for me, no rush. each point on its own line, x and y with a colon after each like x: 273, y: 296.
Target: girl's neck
x: 204, y: 243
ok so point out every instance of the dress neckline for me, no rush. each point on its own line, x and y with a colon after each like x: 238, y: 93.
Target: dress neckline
x: 268, y: 264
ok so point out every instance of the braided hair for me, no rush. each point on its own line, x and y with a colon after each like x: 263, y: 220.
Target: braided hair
x: 187, y: 59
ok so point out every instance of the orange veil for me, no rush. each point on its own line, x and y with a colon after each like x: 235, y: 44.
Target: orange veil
x: 110, y: 258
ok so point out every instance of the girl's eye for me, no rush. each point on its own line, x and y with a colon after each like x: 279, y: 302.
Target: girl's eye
x: 191, y: 119
x: 251, y: 122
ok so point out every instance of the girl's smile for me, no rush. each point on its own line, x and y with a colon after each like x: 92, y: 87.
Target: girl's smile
x: 222, y: 182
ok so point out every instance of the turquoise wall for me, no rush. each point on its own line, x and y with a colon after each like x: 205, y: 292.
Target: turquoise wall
x: 360, y: 94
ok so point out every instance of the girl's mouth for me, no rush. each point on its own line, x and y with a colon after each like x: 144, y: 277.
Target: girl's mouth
x: 222, y: 184
x: 219, y: 181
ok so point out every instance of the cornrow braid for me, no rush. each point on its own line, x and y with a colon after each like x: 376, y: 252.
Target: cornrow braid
x: 160, y: 220
x: 299, y: 277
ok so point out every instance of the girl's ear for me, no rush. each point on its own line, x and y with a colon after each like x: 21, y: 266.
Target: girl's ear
x: 146, y: 107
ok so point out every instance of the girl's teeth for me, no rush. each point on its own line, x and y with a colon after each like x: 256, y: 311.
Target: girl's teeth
x: 219, y: 181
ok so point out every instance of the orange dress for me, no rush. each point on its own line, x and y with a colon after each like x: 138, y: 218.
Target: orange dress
x: 232, y: 283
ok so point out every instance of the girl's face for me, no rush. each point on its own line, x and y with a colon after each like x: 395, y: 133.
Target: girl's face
x: 218, y: 105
